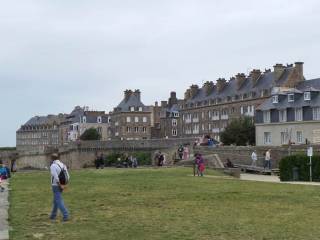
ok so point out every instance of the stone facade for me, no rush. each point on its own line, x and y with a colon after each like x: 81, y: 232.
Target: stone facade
x: 209, y: 109
x: 39, y: 133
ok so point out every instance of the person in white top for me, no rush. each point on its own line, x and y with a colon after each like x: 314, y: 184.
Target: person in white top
x: 267, y: 159
x: 56, y: 167
x: 254, y: 158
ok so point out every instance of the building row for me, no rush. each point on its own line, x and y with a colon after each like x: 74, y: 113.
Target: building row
x: 274, y: 98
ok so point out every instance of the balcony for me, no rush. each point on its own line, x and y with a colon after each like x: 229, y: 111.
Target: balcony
x: 224, y: 117
x: 215, y: 118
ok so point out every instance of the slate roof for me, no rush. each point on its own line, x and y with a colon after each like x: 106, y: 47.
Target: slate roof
x: 265, y: 81
x: 132, y: 101
x: 91, y: 116
x: 45, y: 120
x: 308, y: 85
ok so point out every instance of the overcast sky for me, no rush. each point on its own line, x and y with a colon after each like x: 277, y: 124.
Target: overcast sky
x: 55, y: 55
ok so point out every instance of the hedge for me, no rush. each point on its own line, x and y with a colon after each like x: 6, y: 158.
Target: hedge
x: 144, y: 158
x: 301, y: 162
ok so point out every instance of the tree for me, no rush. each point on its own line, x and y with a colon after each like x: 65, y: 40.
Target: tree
x: 240, y: 132
x: 90, y: 134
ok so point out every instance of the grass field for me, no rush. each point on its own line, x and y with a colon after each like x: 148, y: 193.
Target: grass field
x: 163, y: 204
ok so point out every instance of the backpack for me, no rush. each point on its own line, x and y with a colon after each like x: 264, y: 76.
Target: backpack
x: 63, y: 176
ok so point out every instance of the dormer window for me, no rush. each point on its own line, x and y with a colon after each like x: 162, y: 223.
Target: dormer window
x: 140, y: 109
x: 291, y: 97
x: 275, y: 99
x: 132, y: 109
x: 99, y: 119
x: 307, y: 96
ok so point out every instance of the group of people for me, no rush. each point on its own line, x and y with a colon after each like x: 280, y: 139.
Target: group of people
x: 267, y: 159
x: 160, y: 159
x: 183, y: 152
x: 4, y: 174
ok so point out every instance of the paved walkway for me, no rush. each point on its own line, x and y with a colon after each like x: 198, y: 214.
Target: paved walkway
x: 274, y: 179
x: 4, y: 206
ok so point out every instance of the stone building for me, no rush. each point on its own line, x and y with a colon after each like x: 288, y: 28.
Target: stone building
x: 209, y: 109
x: 39, y: 133
x: 81, y: 119
x: 131, y: 119
x: 170, y: 124
x: 290, y: 116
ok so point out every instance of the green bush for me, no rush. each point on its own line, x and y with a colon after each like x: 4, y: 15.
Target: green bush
x: 144, y: 158
x: 301, y: 162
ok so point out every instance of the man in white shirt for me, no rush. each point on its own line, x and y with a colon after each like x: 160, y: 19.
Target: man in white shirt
x: 56, y: 167
x: 254, y: 158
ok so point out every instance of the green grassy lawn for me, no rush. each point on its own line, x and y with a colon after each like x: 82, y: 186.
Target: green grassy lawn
x: 163, y: 204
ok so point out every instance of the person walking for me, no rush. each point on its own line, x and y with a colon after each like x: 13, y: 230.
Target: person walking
x: 180, y: 152
x: 56, y: 169
x: 267, y: 159
x: 254, y: 158
x: 4, y: 174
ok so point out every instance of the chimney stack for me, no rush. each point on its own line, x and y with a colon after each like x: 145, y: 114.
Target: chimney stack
x: 156, y: 103
x: 127, y: 94
x: 221, y: 82
x: 137, y: 93
x: 208, y: 87
x: 187, y: 94
x: 299, y: 68
x: 173, y: 99
x: 278, y: 70
x: 241, y: 78
x: 194, y: 90
x: 164, y: 104
x: 255, y: 75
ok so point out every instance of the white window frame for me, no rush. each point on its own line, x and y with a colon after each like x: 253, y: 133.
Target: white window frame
x: 131, y: 109
x: 140, y: 109
x: 136, y: 129
x: 267, y: 138
x: 266, y: 116
x: 84, y: 119
x: 316, y: 113
x: 299, y: 136
x: 136, y: 119
x: 174, y: 122
x: 144, y: 119
x: 298, y: 114
x: 144, y: 129
x: 275, y: 99
x: 174, y: 132
x: 284, y: 137
x: 307, y: 96
x: 99, y: 119
x: 128, y: 119
x: 283, y: 115
x: 290, y: 97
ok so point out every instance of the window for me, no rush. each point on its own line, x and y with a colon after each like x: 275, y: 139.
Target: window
x: 136, y: 119
x: 316, y: 113
x: 128, y: 129
x: 284, y: 138
x: 99, y: 129
x: 132, y: 109
x: 307, y: 96
x: 275, y: 99
x: 128, y: 119
x: 298, y: 114
x: 99, y: 119
x: 291, y: 97
x: 136, y: 129
x: 267, y: 137
x: 144, y: 129
x: 174, y: 132
x: 299, y: 136
x: 174, y: 122
x: 140, y: 109
x: 144, y: 119
x: 176, y: 114
x: 283, y: 115
x: 241, y: 109
x: 116, y: 123
x: 266, y: 116
x: 84, y: 119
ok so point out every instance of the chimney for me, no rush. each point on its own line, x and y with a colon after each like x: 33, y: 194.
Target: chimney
x: 278, y: 70
x: 156, y: 104
x: 241, y: 78
x: 127, y: 94
x: 173, y: 99
x: 137, y: 93
x: 255, y: 75
x: 299, y: 69
x: 194, y: 90
x: 164, y: 104
x: 221, y: 82
x: 208, y: 87
x: 187, y: 94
